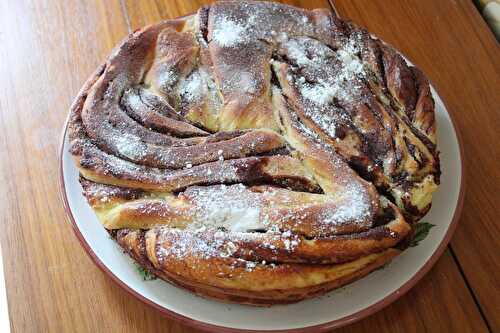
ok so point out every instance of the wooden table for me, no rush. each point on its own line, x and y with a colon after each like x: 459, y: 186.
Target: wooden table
x: 47, y: 50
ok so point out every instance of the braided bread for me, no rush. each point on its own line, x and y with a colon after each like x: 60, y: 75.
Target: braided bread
x: 255, y: 152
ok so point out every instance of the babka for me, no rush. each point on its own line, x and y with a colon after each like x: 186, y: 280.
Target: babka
x: 256, y: 152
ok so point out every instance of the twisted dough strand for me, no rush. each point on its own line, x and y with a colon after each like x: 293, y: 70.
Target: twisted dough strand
x: 257, y: 152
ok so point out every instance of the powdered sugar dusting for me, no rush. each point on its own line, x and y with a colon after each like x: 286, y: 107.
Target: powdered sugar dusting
x: 200, y: 245
x: 166, y: 79
x: 323, y: 76
x: 225, y: 217
x: 199, y: 88
x: 244, y: 81
x: 233, y: 208
x: 206, y: 243
x: 320, y: 93
x: 249, y: 22
x: 193, y: 88
x: 183, y: 244
x: 228, y: 32
x: 129, y: 146
x: 222, y: 217
x: 244, y: 34
x: 331, y: 74
x: 355, y: 207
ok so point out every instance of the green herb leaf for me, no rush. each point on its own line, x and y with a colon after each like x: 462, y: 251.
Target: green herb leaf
x: 421, y: 231
x: 146, y: 275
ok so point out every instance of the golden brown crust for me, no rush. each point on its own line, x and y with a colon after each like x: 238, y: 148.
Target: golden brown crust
x: 241, y: 152
x: 230, y: 280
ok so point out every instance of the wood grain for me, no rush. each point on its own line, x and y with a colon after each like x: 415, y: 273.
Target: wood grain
x: 48, y: 48
x: 142, y: 13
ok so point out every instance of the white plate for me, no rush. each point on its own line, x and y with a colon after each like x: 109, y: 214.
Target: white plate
x: 337, y: 308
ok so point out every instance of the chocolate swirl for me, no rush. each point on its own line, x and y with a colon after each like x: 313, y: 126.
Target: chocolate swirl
x: 256, y: 152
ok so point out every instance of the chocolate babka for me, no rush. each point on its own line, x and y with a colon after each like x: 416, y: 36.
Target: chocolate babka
x: 255, y: 152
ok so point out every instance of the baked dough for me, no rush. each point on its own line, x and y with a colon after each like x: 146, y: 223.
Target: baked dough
x: 256, y: 152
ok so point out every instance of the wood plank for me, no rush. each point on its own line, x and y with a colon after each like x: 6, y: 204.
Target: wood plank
x: 4, y: 311
x: 455, y: 48
x: 438, y: 303
x: 48, y: 49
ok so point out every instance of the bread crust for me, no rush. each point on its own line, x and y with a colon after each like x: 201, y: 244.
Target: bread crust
x: 256, y: 152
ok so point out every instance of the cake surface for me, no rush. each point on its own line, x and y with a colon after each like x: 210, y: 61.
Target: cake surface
x: 256, y: 152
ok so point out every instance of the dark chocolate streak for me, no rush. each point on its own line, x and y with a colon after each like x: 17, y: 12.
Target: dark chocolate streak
x: 166, y: 133
x: 203, y: 14
x: 144, y: 141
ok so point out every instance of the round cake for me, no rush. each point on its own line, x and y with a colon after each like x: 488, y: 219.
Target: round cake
x: 256, y: 152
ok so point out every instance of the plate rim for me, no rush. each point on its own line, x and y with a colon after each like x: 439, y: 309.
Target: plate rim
x: 337, y: 323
